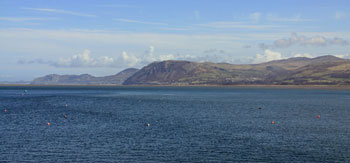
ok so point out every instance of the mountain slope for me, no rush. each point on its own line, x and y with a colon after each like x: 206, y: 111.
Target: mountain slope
x: 320, y: 73
x: 320, y: 70
x: 185, y: 72
x: 84, y: 79
x: 118, y: 78
x: 293, y: 71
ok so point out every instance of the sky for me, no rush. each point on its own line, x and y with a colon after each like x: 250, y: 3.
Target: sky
x: 103, y: 37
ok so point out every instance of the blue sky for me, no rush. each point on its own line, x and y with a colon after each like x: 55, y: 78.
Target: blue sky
x: 104, y: 37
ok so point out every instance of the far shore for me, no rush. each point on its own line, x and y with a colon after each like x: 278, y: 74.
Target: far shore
x: 338, y: 87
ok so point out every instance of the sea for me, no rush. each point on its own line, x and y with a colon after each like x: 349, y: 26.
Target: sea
x: 173, y: 124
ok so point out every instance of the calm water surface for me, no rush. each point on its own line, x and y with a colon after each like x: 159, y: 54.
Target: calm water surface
x: 187, y: 124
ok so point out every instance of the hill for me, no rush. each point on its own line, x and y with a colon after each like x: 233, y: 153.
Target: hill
x: 294, y: 71
x: 84, y: 79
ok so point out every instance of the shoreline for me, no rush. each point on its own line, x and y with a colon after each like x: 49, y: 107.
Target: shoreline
x: 337, y: 87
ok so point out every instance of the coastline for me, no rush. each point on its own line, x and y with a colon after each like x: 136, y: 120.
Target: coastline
x: 333, y: 87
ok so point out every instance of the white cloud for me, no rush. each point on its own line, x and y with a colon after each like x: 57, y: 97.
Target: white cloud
x: 340, y: 56
x: 139, y: 22
x: 166, y: 57
x: 104, y: 60
x: 255, y: 16
x: 316, y: 40
x: 345, y: 56
x: 268, y: 55
x: 129, y: 60
x: 150, y: 57
x: 84, y: 60
x: 48, y: 44
x: 58, y: 11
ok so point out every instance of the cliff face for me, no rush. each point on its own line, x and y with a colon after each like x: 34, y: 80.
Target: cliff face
x: 320, y: 70
x: 84, y: 79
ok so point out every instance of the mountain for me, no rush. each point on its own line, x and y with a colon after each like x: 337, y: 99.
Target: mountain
x: 84, y: 79
x: 300, y: 70
x: 323, y: 70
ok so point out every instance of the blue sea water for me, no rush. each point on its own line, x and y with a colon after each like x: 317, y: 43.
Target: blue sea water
x: 187, y: 124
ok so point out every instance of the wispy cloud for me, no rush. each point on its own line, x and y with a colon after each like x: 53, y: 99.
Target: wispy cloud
x: 22, y: 19
x: 139, y: 22
x: 39, y: 43
x: 301, y: 40
x: 119, y: 6
x: 255, y: 16
x: 58, y: 11
x: 76, y: 61
x: 295, y: 18
x: 341, y: 15
x: 231, y: 24
x: 313, y: 41
x: 176, y: 29
x: 38, y: 61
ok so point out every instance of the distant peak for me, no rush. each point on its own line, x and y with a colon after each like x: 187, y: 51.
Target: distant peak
x: 128, y: 70
x: 328, y: 58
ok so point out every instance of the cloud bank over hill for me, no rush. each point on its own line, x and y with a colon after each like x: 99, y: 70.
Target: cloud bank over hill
x: 268, y: 55
x: 86, y: 59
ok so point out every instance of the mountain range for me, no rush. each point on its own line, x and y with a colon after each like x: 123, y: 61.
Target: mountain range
x: 324, y: 70
x: 84, y: 79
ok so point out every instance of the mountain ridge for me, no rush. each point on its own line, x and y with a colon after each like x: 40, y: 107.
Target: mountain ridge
x: 84, y: 79
x: 323, y: 70
x: 327, y: 70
